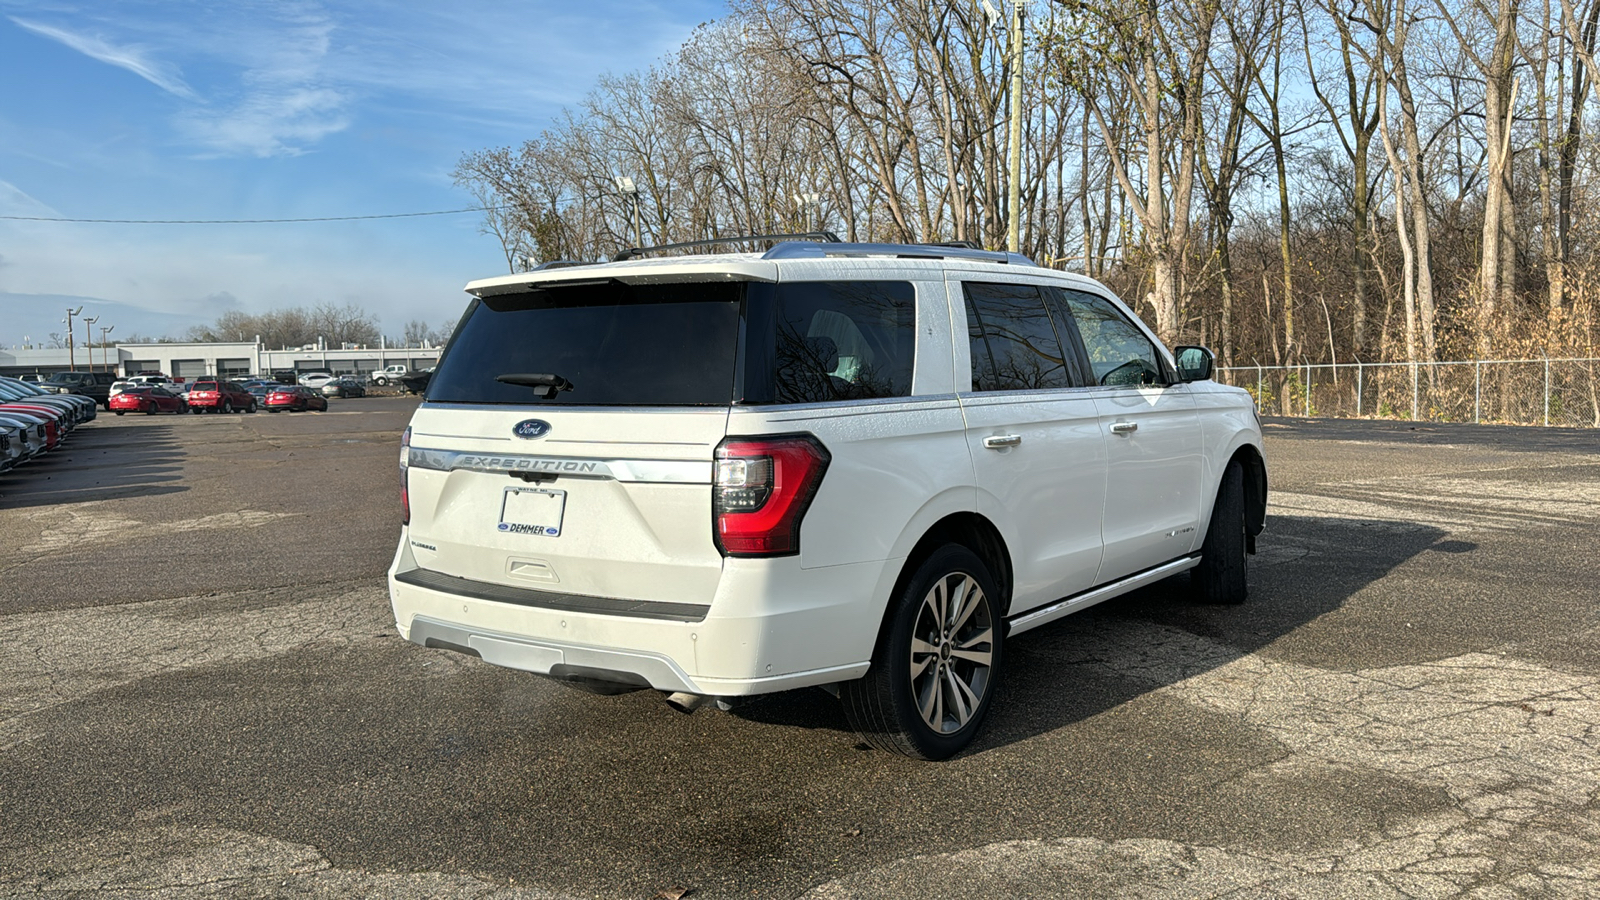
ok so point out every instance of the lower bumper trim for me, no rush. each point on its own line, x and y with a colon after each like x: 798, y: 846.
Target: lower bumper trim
x: 577, y: 603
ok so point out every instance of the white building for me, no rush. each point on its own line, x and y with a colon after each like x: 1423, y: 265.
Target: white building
x: 227, y: 359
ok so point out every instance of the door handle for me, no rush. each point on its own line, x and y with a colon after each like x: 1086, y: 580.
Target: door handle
x: 1124, y: 427
x: 1001, y: 441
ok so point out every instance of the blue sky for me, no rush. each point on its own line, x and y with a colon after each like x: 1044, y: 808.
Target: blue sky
x: 258, y: 109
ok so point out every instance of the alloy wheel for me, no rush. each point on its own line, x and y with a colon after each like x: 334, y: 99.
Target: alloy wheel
x: 952, y: 651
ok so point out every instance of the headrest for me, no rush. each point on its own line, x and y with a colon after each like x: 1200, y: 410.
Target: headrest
x: 824, y: 351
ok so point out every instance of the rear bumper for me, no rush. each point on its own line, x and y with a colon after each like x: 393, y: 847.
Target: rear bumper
x: 772, y: 626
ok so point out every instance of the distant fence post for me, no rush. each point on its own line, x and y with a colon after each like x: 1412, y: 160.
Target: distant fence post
x: 1259, y: 407
x: 1358, y: 388
x: 1477, y: 392
x: 1547, y: 392
x: 1308, y: 390
x: 1413, y: 390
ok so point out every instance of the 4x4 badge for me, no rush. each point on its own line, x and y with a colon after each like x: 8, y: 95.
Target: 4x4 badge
x: 531, y: 428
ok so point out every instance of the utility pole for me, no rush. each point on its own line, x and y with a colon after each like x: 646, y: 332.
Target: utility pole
x: 1014, y: 198
x: 72, y: 362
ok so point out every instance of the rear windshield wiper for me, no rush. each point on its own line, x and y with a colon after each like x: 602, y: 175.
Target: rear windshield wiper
x: 552, y: 384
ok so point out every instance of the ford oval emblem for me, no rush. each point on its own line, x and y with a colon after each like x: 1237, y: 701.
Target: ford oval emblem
x: 531, y: 428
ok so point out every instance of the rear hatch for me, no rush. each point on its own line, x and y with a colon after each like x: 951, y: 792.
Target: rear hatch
x: 567, y: 438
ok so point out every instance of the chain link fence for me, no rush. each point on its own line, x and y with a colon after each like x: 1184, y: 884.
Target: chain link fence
x: 1516, y: 391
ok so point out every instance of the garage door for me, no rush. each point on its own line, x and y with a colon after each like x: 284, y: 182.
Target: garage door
x: 189, y: 368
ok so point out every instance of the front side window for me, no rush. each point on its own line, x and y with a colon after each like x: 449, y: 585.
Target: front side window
x: 1119, y: 353
x: 1014, y: 343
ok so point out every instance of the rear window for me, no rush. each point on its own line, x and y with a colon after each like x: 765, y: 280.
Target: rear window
x: 205, y: 386
x: 680, y: 344
x: 618, y: 344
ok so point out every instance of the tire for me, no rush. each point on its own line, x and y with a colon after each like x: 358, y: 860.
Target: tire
x: 928, y: 688
x: 120, y: 412
x: 227, y: 407
x: 1222, y: 576
x: 251, y: 409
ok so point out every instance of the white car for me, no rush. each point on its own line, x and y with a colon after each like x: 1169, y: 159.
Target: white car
x: 315, y: 380
x: 863, y: 467
x: 118, y: 386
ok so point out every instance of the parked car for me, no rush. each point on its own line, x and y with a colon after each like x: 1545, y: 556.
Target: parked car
x: 79, y: 408
x: 344, y: 386
x: 314, y: 379
x: 31, y: 430
x: 216, y: 395
x: 10, y: 447
x: 149, y: 399
x: 43, y: 428
x: 32, y: 378
x: 295, y: 398
x: 390, y: 374
x: 94, y: 385
x: 120, y: 385
x: 259, y: 391
x: 60, y: 414
x: 865, y: 467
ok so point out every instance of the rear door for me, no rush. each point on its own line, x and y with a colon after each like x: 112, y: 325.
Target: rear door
x: 566, y: 440
x: 1034, y: 436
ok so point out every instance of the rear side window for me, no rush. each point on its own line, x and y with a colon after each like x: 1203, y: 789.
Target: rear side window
x: 618, y: 345
x: 1014, y: 343
x: 826, y: 341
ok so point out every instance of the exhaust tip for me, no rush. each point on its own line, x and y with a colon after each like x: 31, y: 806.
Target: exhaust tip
x: 687, y: 703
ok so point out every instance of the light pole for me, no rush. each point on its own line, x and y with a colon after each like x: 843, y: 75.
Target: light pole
x: 105, y: 351
x: 72, y: 362
x: 88, y: 339
x: 1014, y: 192
x: 627, y: 188
x: 807, y: 202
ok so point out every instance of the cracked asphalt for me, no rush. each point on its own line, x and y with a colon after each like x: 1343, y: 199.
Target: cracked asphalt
x: 202, y: 694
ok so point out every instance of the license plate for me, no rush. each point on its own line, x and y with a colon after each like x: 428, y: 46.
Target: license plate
x: 533, y: 511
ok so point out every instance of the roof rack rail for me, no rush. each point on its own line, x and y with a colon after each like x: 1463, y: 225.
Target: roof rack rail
x: 952, y: 250
x: 559, y: 264
x: 635, y: 252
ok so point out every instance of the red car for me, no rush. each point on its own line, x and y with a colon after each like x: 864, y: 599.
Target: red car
x: 294, y: 397
x: 212, y: 395
x: 148, y: 400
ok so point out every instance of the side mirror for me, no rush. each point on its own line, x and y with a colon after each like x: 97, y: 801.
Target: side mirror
x: 1194, y: 363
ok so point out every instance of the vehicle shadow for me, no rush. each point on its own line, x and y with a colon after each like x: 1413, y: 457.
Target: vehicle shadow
x: 98, y: 464
x: 1098, y: 659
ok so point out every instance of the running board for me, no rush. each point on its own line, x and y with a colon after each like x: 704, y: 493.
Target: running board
x: 1046, y: 614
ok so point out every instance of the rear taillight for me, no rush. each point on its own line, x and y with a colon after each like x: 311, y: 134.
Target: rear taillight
x: 405, y: 465
x: 761, y: 490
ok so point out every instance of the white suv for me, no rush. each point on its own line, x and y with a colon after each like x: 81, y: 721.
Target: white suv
x: 857, y: 466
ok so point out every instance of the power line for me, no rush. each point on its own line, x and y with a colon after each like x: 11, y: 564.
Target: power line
x: 411, y: 215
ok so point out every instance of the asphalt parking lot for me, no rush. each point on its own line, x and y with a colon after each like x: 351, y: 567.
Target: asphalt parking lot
x: 201, y: 693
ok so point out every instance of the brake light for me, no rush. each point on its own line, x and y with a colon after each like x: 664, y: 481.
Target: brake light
x: 405, y: 465
x: 761, y: 491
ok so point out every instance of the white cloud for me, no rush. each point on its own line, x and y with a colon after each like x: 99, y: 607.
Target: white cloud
x: 16, y: 202
x: 130, y: 57
x: 280, y: 122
